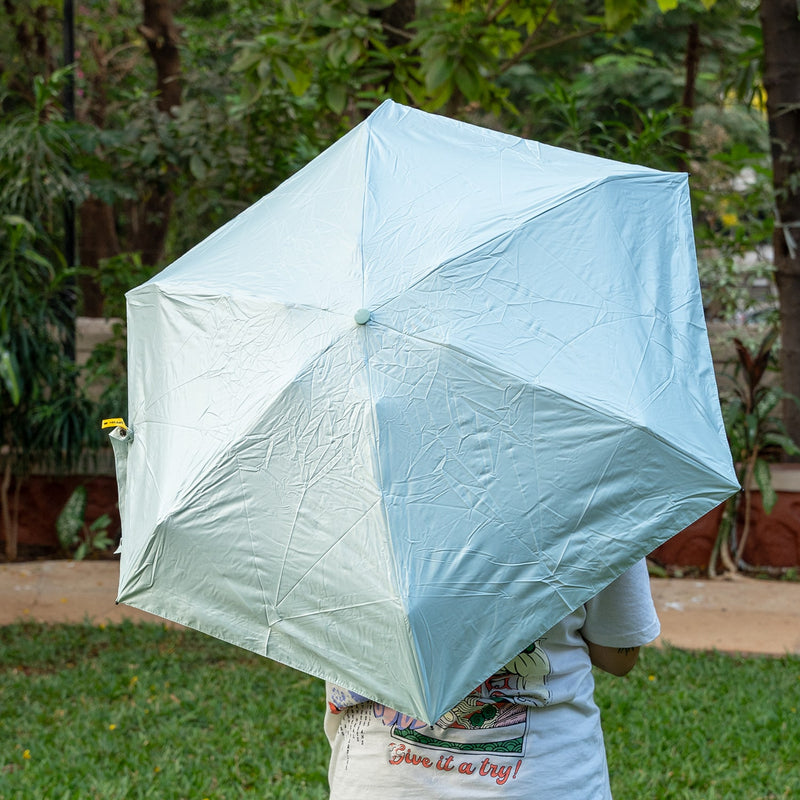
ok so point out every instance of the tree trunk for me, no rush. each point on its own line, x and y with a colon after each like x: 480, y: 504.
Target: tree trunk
x: 97, y: 233
x: 396, y: 19
x: 152, y: 221
x: 781, y: 31
x: 10, y: 531
x: 98, y: 241
x: 30, y: 24
x: 692, y: 66
x: 162, y: 37
x: 149, y: 216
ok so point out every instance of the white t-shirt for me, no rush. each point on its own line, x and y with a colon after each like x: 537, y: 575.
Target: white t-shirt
x: 530, y: 731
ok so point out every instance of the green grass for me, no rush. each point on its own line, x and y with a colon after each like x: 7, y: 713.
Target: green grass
x: 703, y: 725
x: 137, y: 711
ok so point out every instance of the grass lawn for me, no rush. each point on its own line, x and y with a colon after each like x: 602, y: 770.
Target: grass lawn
x: 136, y: 711
x: 703, y: 725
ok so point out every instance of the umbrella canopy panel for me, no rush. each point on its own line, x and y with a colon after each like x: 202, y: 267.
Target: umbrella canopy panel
x: 401, y: 506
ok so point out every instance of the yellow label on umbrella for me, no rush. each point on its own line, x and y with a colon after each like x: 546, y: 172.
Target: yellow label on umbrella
x: 115, y: 422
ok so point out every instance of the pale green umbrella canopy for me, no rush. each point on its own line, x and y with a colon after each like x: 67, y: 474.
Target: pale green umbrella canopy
x: 398, y: 418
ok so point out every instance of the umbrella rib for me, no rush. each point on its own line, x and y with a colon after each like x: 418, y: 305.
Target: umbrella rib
x: 364, y: 604
x: 264, y: 602
x: 321, y: 555
x: 376, y: 461
x: 663, y: 385
x: 306, y: 486
x: 517, y: 225
x: 367, y: 160
x: 691, y: 457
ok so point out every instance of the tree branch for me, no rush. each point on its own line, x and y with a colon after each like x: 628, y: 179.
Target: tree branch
x: 526, y: 49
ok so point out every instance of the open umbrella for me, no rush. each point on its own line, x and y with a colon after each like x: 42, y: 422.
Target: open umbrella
x: 402, y: 415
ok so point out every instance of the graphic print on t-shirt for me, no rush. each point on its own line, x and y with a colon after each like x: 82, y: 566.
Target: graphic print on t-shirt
x: 493, y: 718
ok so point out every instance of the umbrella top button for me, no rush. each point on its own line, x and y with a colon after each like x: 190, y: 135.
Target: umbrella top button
x: 362, y: 316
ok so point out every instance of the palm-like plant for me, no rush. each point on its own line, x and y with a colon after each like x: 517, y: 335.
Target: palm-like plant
x: 44, y: 418
x: 39, y: 157
x: 757, y: 437
x: 43, y: 414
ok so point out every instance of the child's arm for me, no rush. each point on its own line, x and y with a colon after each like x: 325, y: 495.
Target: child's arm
x: 615, y: 660
x: 622, y: 616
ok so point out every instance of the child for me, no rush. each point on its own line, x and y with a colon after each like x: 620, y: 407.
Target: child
x: 531, y: 730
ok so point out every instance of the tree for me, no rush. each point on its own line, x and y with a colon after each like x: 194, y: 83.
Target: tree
x: 781, y: 32
x: 347, y: 55
x: 116, y: 219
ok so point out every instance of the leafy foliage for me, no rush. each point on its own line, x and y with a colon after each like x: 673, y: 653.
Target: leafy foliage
x: 43, y: 414
x: 755, y: 430
x: 75, y: 535
x: 36, y: 340
x: 38, y: 156
x: 337, y: 54
x: 106, y: 370
x: 757, y: 436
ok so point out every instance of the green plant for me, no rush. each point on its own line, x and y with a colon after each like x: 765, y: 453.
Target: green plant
x: 757, y: 437
x: 9, y: 373
x: 39, y: 157
x: 75, y: 535
x: 734, y: 226
x: 106, y: 369
x: 648, y: 137
x: 44, y: 416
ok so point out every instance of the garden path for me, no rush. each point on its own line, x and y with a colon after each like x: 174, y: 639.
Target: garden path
x: 741, y: 615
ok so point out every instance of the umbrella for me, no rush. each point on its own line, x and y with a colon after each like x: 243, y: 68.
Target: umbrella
x: 402, y: 415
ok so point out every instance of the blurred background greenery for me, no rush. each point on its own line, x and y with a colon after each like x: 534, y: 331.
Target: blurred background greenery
x: 131, y: 129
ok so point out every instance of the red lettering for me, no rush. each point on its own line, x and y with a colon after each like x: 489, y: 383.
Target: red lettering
x: 401, y: 754
x: 445, y: 764
x: 396, y: 756
x: 500, y: 774
x: 413, y: 758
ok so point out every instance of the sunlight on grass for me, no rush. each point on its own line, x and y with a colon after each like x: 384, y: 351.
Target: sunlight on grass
x: 139, y: 711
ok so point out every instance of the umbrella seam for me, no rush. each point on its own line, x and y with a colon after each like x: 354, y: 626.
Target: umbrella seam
x: 402, y: 592
x: 367, y: 159
x: 265, y: 602
x: 622, y: 417
x: 567, y: 197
